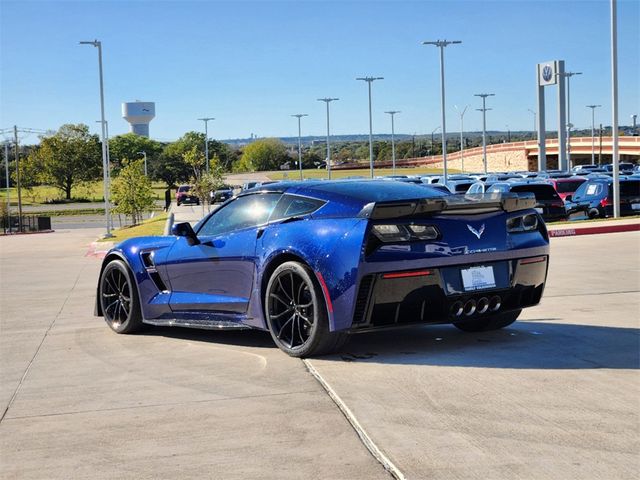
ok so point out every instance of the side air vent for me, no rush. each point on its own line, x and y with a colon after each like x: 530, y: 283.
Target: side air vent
x: 364, y: 292
x: 147, y: 260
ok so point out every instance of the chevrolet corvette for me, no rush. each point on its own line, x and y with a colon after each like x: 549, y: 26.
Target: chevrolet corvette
x: 313, y: 262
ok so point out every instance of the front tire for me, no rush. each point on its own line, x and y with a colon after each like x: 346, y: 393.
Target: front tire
x: 494, y: 322
x: 119, y: 298
x: 296, y: 313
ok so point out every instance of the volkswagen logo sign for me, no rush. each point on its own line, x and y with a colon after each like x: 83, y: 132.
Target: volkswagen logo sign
x: 547, y: 73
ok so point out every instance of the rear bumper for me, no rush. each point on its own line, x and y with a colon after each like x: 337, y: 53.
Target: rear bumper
x: 437, y: 295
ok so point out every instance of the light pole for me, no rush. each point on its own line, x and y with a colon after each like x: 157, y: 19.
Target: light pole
x: 614, y: 107
x: 484, y: 125
x: 105, y: 165
x: 143, y: 153
x: 441, y: 44
x: 393, y: 140
x: 299, y: 116
x: 568, y: 76
x: 369, y: 81
x: 431, y: 149
x: 461, y: 133
x: 206, y: 139
x: 6, y: 176
x: 328, y: 100
x: 593, y: 132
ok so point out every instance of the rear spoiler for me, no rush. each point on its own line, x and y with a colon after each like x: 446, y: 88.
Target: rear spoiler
x: 449, y: 205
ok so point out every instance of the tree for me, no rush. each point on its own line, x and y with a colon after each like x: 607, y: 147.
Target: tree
x: 131, y: 191
x: 69, y: 156
x: 170, y: 166
x: 263, y: 154
x: 130, y: 145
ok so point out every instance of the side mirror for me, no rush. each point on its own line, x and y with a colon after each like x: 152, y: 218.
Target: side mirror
x: 184, y: 229
x: 568, y: 198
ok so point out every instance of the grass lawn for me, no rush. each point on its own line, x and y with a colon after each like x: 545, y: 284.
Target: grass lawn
x: 86, y: 192
x: 152, y: 226
x: 335, y: 174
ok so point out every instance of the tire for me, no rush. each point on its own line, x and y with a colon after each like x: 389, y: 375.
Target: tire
x: 296, y: 313
x: 178, y: 203
x: 486, y: 324
x: 119, y: 298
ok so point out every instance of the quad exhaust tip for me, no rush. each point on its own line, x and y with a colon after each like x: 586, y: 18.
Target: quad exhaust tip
x: 495, y: 303
x: 457, y: 308
x: 470, y: 307
x: 483, y: 305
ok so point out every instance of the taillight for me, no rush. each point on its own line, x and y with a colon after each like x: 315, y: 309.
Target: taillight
x: 405, y: 233
x: 604, y: 202
x: 524, y: 223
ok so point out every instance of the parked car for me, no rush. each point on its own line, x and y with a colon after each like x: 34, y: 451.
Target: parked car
x: 312, y: 262
x: 184, y: 194
x: 566, y: 186
x: 248, y: 185
x: 222, y: 194
x: 594, y: 198
x: 548, y: 202
x: 583, y: 169
x: 460, y: 186
x: 623, y: 167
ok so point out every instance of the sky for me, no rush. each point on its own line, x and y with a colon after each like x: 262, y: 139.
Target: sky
x: 251, y: 65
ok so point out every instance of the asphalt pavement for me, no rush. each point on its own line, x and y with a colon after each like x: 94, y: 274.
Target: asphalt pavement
x: 555, y: 396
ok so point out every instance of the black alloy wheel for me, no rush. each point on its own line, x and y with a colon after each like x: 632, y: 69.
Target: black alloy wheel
x: 296, y: 312
x: 119, y: 298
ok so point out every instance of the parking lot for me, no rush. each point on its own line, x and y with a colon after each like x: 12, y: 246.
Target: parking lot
x: 555, y: 396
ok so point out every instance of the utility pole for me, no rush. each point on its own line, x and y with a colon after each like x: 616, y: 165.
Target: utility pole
x: 105, y: 164
x: 6, y: 174
x: 442, y: 44
x: 369, y: 81
x: 328, y: 100
x: 18, y: 185
x: 484, y: 125
x: 614, y: 108
x: 299, y: 116
x: 600, y: 153
x: 593, y: 134
x: 393, y: 140
x: 568, y: 76
x: 206, y: 139
x: 461, y: 137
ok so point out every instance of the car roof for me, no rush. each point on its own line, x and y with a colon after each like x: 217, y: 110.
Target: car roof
x: 359, y: 190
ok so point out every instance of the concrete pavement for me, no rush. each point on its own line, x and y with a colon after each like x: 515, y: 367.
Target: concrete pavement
x: 552, y: 397
x: 83, y: 402
x: 555, y: 396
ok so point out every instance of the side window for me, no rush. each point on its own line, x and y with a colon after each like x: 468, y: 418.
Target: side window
x: 292, y: 205
x: 244, y: 212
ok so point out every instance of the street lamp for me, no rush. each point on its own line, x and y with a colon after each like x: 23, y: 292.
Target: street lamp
x: 105, y: 165
x: 593, y: 132
x: 484, y: 125
x: 299, y: 116
x: 393, y: 140
x: 328, y: 100
x: 369, y: 81
x: 615, y: 158
x: 143, y: 153
x: 462, y: 139
x: 568, y: 76
x: 441, y: 44
x: 206, y: 139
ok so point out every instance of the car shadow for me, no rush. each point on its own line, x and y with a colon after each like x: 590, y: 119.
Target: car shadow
x: 532, y: 344
x: 240, y: 338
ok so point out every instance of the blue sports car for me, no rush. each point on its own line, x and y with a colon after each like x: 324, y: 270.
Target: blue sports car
x: 315, y: 261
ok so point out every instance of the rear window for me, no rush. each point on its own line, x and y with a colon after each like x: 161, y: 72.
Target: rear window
x: 541, y: 192
x: 568, y: 187
x: 463, y: 187
x: 184, y: 188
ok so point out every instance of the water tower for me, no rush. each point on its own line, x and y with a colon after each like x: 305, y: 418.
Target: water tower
x: 139, y: 114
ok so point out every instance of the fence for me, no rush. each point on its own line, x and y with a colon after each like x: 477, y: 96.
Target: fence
x: 30, y: 223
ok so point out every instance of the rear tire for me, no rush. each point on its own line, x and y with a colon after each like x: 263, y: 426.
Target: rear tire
x: 119, y: 298
x: 494, y: 322
x: 296, y: 313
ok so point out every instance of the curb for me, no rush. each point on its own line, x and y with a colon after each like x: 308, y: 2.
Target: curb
x: 572, y: 232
